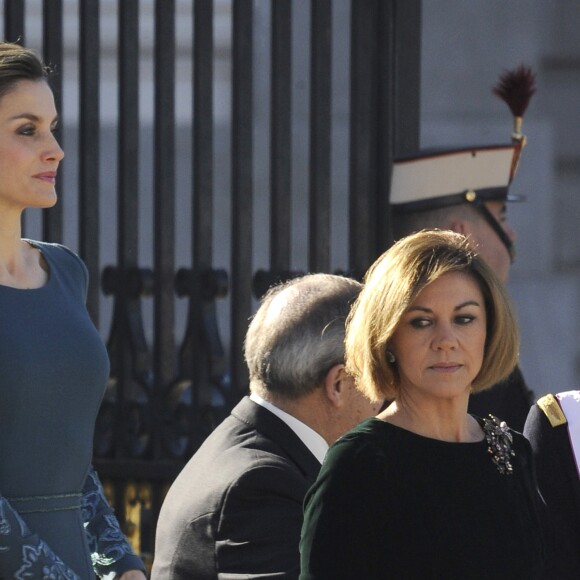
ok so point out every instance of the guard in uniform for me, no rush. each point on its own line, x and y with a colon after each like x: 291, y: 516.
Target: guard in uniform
x: 466, y: 190
x: 553, y: 428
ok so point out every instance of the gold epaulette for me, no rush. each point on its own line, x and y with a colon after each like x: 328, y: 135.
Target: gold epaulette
x: 549, y: 404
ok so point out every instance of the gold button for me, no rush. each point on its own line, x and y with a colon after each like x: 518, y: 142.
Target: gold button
x: 470, y: 195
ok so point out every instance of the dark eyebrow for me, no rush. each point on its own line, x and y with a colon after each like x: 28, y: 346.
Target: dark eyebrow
x: 458, y: 307
x: 32, y: 117
x: 28, y: 116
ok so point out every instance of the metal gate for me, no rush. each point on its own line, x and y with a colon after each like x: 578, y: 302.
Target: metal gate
x: 216, y: 146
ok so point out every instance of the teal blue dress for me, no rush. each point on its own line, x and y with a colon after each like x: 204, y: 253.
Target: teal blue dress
x: 391, y: 504
x: 54, y: 520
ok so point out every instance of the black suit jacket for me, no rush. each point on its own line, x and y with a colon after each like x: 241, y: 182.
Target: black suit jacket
x: 560, y: 487
x: 235, y: 511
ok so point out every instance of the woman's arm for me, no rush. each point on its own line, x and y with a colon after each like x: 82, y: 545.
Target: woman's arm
x: 340, y: 538
x: 111, y: 553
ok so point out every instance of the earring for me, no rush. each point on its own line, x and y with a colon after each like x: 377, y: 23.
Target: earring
x: 390, y: 357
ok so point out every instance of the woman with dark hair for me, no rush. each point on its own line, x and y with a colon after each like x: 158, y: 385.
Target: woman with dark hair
x: 425, y: 490
x: 55, y: 522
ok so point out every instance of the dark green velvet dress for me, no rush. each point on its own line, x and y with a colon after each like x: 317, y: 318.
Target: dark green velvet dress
x: 392, y: 504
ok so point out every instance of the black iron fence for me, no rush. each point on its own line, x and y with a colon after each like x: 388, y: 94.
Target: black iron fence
x: 184, y: 214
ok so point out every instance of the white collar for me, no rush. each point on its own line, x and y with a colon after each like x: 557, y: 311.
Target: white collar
x: 313, y: 440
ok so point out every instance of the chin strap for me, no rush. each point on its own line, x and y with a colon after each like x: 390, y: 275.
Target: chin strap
x: 496, y: 226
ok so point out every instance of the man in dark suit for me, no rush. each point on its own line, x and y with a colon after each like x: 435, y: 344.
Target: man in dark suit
x: 466, y: 190
x: 553, y: 428
x: 235, y: 511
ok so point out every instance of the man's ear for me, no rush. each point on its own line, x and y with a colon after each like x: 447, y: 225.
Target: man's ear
x: 335, y: 385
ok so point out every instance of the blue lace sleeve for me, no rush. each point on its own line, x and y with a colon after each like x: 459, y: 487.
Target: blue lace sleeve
x: 23, y: 555
x: 111, y: 552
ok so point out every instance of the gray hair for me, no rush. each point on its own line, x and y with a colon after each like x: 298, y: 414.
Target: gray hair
x: 297, y: 334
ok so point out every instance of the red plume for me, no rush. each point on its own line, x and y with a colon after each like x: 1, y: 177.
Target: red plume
x: 516, y: 88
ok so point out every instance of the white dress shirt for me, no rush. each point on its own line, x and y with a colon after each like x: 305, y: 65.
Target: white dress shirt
x: 313, y: 440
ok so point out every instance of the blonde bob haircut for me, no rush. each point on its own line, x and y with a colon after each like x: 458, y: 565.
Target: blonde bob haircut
x: 393, y: 283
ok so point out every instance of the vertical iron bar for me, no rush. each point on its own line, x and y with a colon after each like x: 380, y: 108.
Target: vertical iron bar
x: 14, y: 32
x: 363, y: 140
x: 203, y: 130
x: 201, y: 307
x: 128, y: 135
x: 242, y: 183
x: 53, y: 55
x: 399, y: 97
x: 131, y: 380
x: 89, y: 147
x: 320, y: 142
x: 386, y: 76
x: 407, y: 89
x: 280, y: 136
x: 164, y: 180
x: 14, y: 21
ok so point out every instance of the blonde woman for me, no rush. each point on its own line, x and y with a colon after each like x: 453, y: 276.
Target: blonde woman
x: 425, y: 490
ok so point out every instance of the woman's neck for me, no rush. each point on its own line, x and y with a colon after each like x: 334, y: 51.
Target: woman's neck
x: 21, y: 265
x: 445, y: 420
